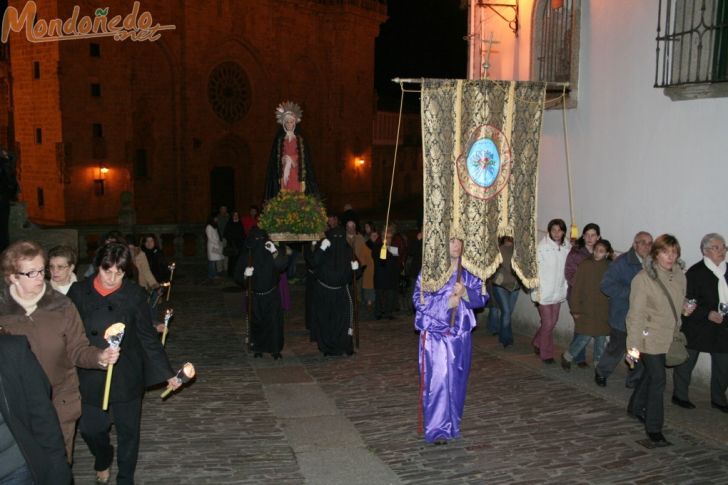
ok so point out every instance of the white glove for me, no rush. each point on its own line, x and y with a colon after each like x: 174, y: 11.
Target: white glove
x: 394, y: 250
x: 355, y: 265
x: 314, y: 243
x: 271, y: 247
x: 325, y: 244
x: 248, y: 272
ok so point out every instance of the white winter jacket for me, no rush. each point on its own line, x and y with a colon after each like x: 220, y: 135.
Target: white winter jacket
x: 214, y: 245
x: 551, y: 263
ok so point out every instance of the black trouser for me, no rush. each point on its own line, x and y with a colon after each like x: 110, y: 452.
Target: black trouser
x: 94, y: 426
x: 648, y: 396
x: 614, y: 354
x: 385, y: 301
x: 682, y: 374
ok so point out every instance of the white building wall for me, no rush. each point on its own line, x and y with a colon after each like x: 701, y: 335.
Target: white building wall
x: 639, y: 161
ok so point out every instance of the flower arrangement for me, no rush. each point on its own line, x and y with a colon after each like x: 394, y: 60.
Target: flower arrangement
x: 293, y: 213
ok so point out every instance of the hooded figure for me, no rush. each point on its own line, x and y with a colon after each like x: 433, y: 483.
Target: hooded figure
x: 332, y: 310
x: 445, y: 319
x: 265, y: 263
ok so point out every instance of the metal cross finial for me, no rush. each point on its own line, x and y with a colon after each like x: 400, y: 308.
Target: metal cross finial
x: 486, y: 63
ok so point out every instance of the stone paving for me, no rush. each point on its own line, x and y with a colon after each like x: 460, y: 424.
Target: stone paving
x: 311, y: 419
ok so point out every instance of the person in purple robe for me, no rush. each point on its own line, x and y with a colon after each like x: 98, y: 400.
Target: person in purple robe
x: 445, y: 348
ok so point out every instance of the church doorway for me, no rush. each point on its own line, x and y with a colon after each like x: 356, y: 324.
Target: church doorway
x: 222, y: 187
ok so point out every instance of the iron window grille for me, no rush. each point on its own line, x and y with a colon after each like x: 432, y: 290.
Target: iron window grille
x: 556, y: 46
x: 692, y: 48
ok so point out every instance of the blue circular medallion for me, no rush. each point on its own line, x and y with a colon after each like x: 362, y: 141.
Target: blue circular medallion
x: 483, y: 162
x: 484, y: 166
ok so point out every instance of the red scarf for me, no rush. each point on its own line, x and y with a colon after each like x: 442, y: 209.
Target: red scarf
x: 102, y: 290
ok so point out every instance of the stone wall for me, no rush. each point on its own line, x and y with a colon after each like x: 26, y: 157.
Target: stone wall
x: 158, y: 132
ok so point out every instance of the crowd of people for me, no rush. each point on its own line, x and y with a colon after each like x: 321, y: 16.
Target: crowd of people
x: 618, y: 306
x: 654, y: 314
x: 53, y: 330
x: 347, y: 277
x: 637, y: 308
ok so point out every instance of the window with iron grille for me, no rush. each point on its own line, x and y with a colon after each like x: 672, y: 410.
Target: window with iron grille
x: 692, y: 48
x: 556, y: 46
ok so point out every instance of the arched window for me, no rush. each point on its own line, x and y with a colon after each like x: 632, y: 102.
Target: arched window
x: 555, y: 47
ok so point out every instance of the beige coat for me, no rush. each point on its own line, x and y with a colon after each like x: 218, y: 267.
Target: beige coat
x: 364, y: 256
x: 651, y: 323
x: 57, y: 337
x: 145, y: 278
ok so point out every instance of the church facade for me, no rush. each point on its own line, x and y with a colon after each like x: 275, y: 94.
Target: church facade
x: 185, y: 123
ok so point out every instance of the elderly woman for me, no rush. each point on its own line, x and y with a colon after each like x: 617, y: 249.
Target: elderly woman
x: 61, y: 264
x: 656, y: 297
x: 53, y: 328
x: 706, y: 327
x: 102, y: 300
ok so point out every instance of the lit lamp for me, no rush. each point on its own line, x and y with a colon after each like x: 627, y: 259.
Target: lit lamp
x: 360, y: 162
x: 100, y: 179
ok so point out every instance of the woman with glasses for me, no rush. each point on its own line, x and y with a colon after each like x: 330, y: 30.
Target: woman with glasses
x: 61, y: 266
x: 106, y: 298
x: 30, y: 307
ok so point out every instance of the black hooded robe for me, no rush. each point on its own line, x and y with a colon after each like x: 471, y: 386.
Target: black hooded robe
x: 266, y: 325
x: 333, y: 309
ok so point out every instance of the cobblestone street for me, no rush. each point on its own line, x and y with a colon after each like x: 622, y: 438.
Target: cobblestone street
x: 314, y: 419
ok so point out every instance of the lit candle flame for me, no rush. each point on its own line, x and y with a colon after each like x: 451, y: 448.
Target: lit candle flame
x: 168, y: 316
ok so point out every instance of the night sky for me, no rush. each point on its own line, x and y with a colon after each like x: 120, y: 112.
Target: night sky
x: 422, y: 38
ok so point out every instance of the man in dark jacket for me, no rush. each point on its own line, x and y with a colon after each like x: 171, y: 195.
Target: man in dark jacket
x: 31, y: 443
x: 705, y: 328
x: 616, y: 285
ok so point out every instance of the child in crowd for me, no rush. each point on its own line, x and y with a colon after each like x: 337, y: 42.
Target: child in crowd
x: 589, y: 306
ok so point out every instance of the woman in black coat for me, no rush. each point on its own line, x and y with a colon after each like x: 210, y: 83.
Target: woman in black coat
x: 35, y: 443
x: 102, y: 300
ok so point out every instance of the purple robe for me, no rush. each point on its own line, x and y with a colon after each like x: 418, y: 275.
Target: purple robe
x: 284, y: 291
x: 444, y: 358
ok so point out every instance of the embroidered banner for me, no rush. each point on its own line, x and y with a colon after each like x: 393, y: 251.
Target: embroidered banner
x: 480, y: 152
